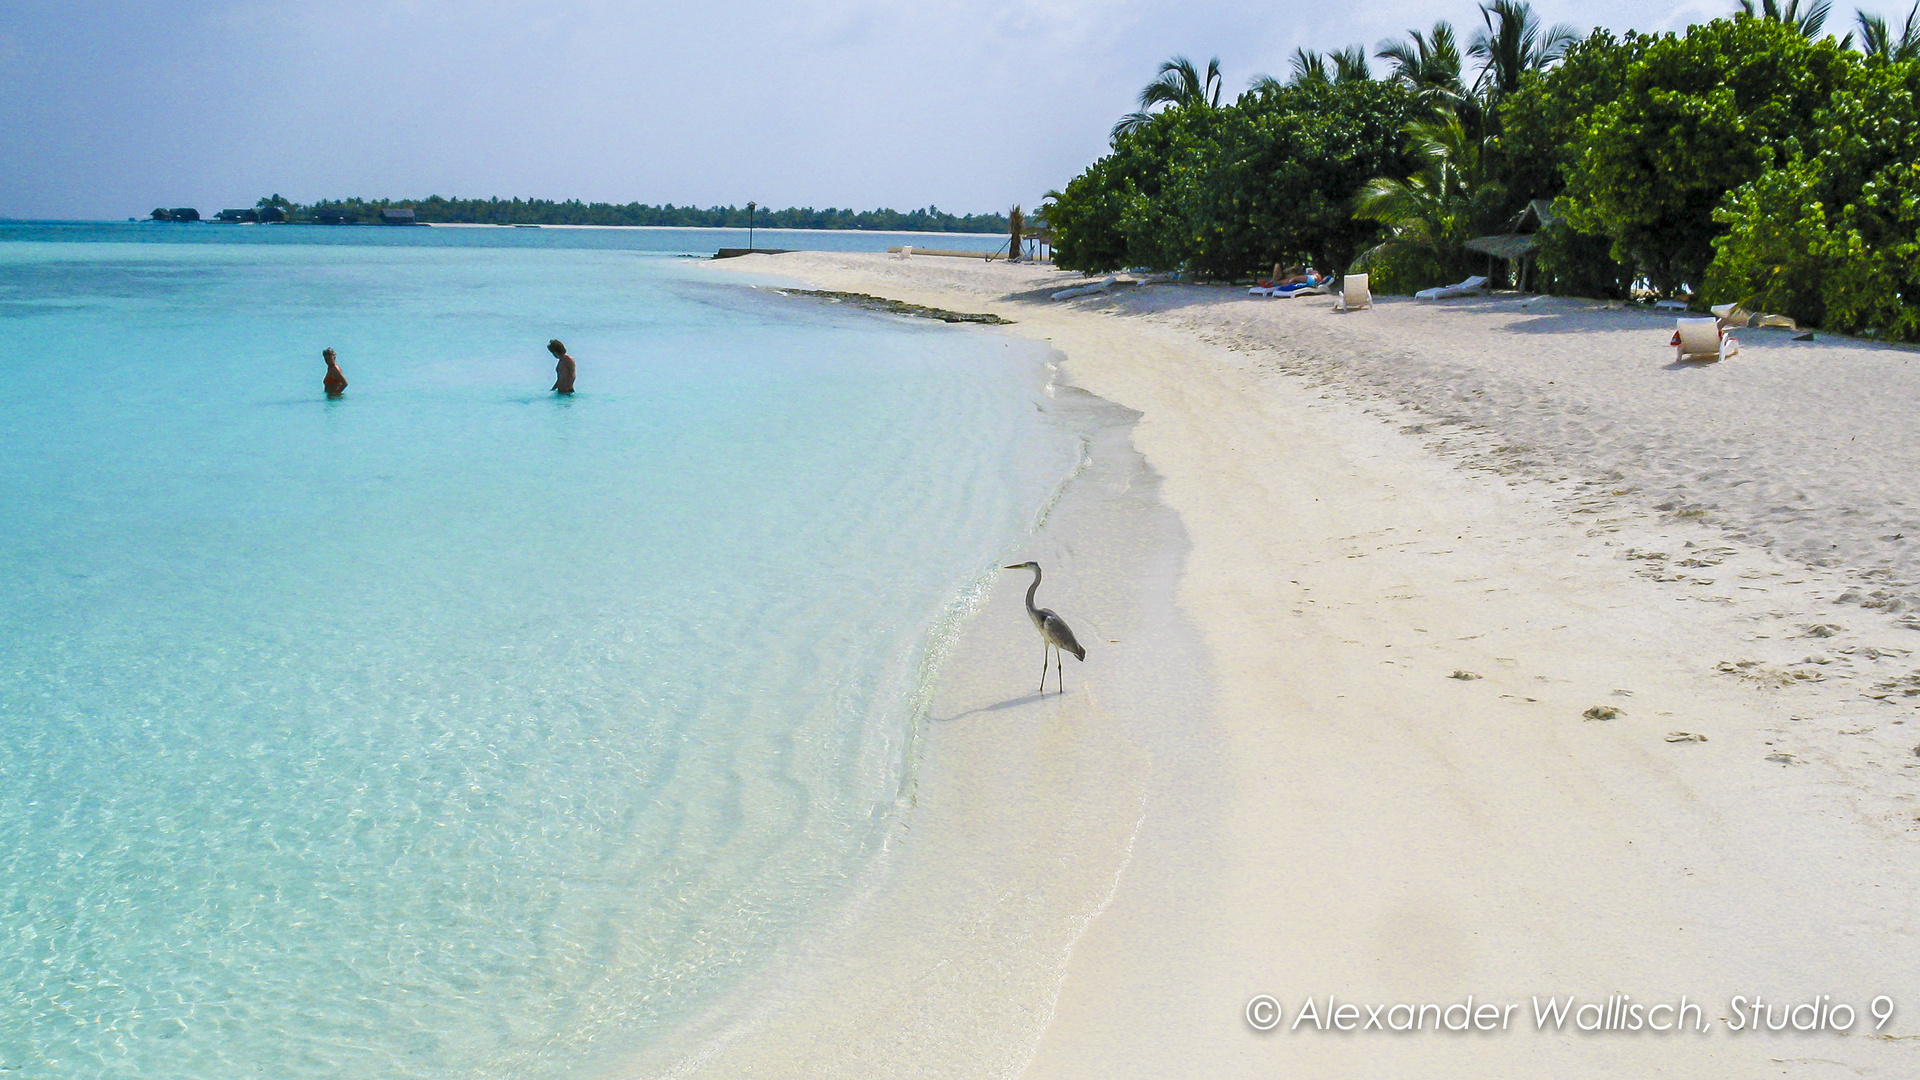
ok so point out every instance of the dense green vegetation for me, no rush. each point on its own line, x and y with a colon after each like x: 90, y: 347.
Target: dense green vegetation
x: 436, y: 209
x: 1753, y: 159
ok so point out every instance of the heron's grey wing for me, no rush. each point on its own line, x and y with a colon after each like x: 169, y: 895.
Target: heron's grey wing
x: 1058, y: 632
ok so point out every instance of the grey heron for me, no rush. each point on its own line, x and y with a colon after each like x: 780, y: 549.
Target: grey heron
x: 1054, y: 632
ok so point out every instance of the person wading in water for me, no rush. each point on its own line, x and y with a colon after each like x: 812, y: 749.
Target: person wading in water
x: 336, y: 381
x: 562, y: 371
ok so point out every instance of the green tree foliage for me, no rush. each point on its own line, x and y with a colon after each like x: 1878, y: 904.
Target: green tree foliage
x: 1268, y: 179
x: 1543, y: 122
x: 1542, y: 125
x: 1277, y: 180
x: 1751, y: 158
x: 1831, y: 235
x: 1112, y: 214
x: 1696, y: 117
x: 1569, y: 262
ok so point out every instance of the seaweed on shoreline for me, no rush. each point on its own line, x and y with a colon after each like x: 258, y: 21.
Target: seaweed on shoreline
x: 900, y: 307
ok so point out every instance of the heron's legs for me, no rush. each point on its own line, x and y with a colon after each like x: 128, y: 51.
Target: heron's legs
x: 1043, y: 665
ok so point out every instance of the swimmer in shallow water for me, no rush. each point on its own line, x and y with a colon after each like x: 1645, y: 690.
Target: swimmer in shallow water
x: 336, y: 381
x: 562, y: 371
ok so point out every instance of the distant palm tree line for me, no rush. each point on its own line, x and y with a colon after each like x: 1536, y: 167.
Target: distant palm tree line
x: 497, y: 211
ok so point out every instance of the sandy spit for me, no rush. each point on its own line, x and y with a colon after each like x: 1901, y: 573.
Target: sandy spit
x: 1469, y: 577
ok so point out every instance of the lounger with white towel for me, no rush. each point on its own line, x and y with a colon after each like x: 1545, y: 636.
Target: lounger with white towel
x: 1702, y: 339
x: 1353, y: 294
x: 1473, y: 286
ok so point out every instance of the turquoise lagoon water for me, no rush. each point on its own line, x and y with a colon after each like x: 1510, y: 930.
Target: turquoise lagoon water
x: 453, y: 729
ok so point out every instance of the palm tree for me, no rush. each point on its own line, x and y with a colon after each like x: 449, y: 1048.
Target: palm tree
x: 1877, y: 40
x: 1347, y: 65
x: 1179, y: 85
x: 1513, y: 44
x: 1425, y: 62
x: 1429, y: 65
x: 1434, y: 212
x: 1807, y: 23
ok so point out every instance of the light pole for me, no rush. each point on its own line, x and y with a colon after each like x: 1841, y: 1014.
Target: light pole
x: 750, y: 224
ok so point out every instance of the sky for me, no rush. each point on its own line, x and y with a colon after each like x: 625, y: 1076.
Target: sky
x: 109, y: 108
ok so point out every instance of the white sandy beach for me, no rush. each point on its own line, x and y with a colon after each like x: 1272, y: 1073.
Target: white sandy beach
x: 1267, y: 778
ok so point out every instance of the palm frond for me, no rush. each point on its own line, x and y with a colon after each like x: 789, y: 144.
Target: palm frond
x: 1877, y: 38
x: 1130, y: 123
x: 1350, y: 65
x: 1308, y: 67
x: 1806, y: 23
x: 1513, y: 43
x: 1427, y: 64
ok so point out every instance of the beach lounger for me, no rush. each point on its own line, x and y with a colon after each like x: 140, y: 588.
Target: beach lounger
x: 1732, y: 315
x: 1473, y: 286
x: 1287, y: 292
x: 1670, y: 305
x: 1353, y: 294
x: 906, y: 251
x: 1084, y: 290
x: 1702, y: 339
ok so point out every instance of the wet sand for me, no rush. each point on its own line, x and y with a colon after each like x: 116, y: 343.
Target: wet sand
x: 1416, y: 548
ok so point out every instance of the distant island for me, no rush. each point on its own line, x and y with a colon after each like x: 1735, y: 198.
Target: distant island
x: 435, y: 210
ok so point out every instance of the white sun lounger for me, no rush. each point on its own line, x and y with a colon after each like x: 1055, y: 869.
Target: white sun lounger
x: 1702, y: 339
x: 1473, y: 286
x: 1735, y: 316
x: 1353, y: 294
x: 1084, y: 290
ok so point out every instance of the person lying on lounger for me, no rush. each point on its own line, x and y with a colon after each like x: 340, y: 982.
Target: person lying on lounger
x: 1298, y: 275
